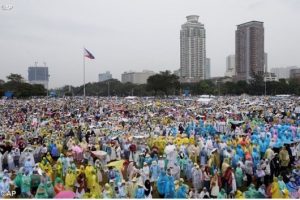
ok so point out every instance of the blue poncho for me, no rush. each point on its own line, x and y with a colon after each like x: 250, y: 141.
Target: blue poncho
x: 170, y: 188
x: 181, y: 192
x: 161, y: 183
x: 140, y: 193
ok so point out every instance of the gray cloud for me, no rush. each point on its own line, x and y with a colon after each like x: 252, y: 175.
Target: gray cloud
x: 135, y: 34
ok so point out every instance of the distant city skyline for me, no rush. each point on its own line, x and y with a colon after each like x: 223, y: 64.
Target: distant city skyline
x: 136, y: 34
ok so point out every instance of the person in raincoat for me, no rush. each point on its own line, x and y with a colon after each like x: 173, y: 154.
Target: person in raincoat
x: 41, y: 192
x: 197, y: 178
x: 10, y: 161
x: 154, y: 171
x: 282, y: 185
x: 182, y: 190
x: 284, y: 158
x: 275, y: 189
x: 26, y: 185
x: 28, y: 167
x: 222, y: 194
x: 50, y: 189
x: 161, y: 184
x: 107, y: 192
x: 95, y: 191
x: 145, y: 172
x: 123, y: 193
x: 239, y: 174
x: 148, y: 189
x: 170, y: 187
x: 88, y: 174
x: 140, y: 192
x: 70, y: 180
x: 18, y: 183
x: 98, y: 170
x: 4, y: 186
x: 59, y: 169
x: 188, y: 170
x: 175, y: 171
x: 132, y: 187
x: 239, y: 195
x: 58, y: 185
x: 35, y: 181
x: 252, y: 193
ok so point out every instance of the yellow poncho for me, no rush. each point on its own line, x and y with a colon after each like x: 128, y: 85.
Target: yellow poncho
x: 70, y: 180
x: 275, y: 190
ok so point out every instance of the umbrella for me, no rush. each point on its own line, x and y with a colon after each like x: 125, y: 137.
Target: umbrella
x: 65, y: 195
x: 118, y: 164
x: 139, y: 136
x: 99, y: 154
x: 77, y: 149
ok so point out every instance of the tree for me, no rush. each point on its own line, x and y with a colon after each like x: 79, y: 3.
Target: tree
x: 164, y: 82
x: 15, y: 78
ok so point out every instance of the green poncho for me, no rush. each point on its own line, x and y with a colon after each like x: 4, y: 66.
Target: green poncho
x: 222, y: 194
x: 18, y: 180
x: 50, y: 190
x: 41, y: 192
x: 25, y: 184
x: 239, y: 177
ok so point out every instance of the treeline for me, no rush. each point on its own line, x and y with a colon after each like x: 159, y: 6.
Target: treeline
x: 19, y: 88
x: 162, y: 84
x: 166, y: 84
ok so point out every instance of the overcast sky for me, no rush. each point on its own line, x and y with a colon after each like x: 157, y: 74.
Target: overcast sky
x: 134, y: 35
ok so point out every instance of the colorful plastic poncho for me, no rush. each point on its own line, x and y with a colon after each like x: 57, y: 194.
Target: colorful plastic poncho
x: 41, y: 192
x: 222, y: 194
x: 26, y: 184
x: 140, y: 193
x: 275, y: 189
x: 181, y: 192
x: 170, y: 188
x: 161, y: 183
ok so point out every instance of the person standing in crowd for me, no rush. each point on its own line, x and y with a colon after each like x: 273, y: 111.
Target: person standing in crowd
x: 284, y: 159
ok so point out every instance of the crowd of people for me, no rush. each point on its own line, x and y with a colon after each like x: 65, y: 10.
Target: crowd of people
x: 230, y: 147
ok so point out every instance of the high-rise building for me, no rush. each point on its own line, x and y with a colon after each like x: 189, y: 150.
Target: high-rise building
x: 136, y: 77
x: 192, y: 50
x: 283, y: 72
x: 38, y: 75
x: 249, y: 50
x: 230, y: 66
x: 104, y: 76
x: 295, y: 73
x: 207, y: 68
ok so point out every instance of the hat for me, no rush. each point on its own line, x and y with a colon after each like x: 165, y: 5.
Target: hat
x: 145, y: 163
x: 134, y: 179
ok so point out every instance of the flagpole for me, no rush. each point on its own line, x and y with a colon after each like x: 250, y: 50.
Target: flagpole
x: 83, y: 75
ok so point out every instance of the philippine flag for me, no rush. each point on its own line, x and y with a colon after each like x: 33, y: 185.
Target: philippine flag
x: 88, y: 54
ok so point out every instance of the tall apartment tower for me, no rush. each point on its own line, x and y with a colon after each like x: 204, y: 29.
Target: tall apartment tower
x: 230, y: 66
x: 192, y: 50
x: 249, y: 50
x: 38, y: 75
